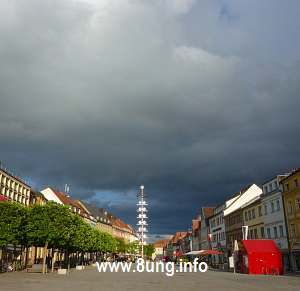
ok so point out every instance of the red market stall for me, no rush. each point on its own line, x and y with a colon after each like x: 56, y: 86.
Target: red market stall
x: 261, y: 257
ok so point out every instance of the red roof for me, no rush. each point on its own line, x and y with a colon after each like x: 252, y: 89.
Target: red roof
x: 161, y: 243
x: 121, y: 224
x: 66, y: 200
x: 260, y: 246
x: 178, y: 236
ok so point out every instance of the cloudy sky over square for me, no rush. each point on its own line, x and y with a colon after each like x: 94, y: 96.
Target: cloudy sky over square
x: 193, y: 99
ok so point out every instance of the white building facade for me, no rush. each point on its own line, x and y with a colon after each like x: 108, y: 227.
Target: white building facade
x: 13, y: 188
x: 218, y: 235
x: 217, y: 229
x: 273, y: 216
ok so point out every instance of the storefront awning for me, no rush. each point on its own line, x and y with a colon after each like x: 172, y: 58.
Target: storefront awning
x: 203, y: 253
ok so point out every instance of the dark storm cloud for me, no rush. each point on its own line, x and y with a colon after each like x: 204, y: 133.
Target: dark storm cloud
x: 194, y: 99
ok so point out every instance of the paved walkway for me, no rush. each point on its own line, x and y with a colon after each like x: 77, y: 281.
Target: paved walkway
x: 91, y: 280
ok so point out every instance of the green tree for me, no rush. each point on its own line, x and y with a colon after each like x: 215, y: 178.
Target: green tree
x: 133, y: 248
x: 13, y: 219
x: 149, y: 250
x: 121, y: 246
x: 49, y: 225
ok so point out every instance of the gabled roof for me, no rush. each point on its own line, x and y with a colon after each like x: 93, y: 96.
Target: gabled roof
x: 67, y: 200
x: 161, y: 243
x: 100, y: 214
x: 119, y: 223
x: 295, y: 171
x: 245, y: 196
x: 178, y: 236
x: 37, y: 194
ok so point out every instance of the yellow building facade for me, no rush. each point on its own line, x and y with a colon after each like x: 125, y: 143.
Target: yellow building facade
x: 253, y: 218
x: 291, y: 196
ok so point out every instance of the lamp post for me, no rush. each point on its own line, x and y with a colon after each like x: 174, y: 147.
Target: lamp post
x: 142, y: 219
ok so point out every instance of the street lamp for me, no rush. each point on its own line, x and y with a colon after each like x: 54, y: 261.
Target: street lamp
x: 142, y: 219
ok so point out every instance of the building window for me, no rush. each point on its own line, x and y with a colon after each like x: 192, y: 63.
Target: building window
x: 255, y: 233
x: 246, y: 215
x: 266, y: 209
x: 268, y: 232
x: 251, y: 234
x: 275, y: 185
x: 275, y: 232
x: 262, y: 231
x: 266, y: 189
x: 290, y: 207
x: 298, y: 202
x: 281, y: 231
x: 293, y: 231
x: 259, y: 211
x: 278, y: 205
x: 272, y: 207
x: 253, y: 213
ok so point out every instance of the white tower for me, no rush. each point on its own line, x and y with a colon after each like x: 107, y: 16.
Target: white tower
x: 142, y: 219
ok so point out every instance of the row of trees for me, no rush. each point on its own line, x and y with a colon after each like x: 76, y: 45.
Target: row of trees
x: 54, y: 226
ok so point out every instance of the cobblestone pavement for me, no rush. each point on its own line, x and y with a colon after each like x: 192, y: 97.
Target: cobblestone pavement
x: 91, y: 280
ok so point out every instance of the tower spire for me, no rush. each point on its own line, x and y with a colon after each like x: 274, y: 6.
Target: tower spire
x: 142, y: 219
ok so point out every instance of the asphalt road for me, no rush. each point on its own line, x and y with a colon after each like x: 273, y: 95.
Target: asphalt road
x: 91, y: 280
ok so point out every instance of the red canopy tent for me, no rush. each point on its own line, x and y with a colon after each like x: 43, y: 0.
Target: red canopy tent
x: 261, y: 257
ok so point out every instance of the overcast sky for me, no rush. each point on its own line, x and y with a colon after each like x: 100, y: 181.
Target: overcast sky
x: 192, y: 98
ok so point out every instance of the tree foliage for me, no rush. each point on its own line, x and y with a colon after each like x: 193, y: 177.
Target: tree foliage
x: 13, y: 219
x: 53, y: 225
x: 149, y: 250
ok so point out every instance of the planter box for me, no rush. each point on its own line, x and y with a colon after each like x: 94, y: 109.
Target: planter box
x: 62, y: 271
x: 79, y: 267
